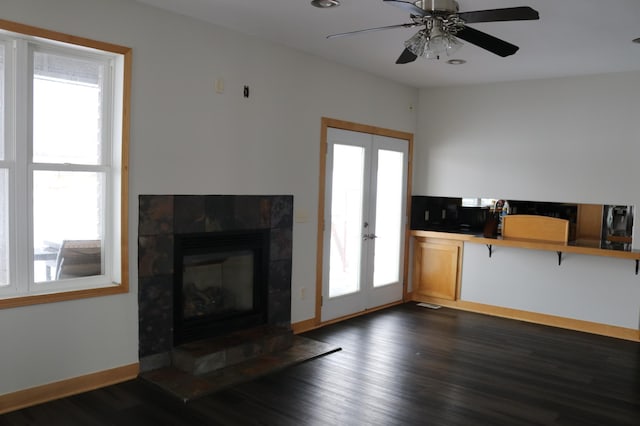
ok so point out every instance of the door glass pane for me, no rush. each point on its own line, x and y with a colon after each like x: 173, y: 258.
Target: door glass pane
x: 4, y: 228
x: 2, y: 116
x: 4, y: 188
x: 67, y: 224
x: 389, y: 201
x: 66, y: 109
x: 346, y: 220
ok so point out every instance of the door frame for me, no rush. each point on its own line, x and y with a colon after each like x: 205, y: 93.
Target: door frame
x: 377, y: 131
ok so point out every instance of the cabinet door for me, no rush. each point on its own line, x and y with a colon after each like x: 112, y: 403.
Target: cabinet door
x: 437, y: 268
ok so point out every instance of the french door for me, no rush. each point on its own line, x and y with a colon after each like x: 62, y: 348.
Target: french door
x: 364, y: 222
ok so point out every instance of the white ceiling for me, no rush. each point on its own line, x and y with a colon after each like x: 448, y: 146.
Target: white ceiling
x: 572, y: 37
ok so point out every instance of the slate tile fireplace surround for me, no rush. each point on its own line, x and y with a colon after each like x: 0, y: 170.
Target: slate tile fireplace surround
x: 163, y: 219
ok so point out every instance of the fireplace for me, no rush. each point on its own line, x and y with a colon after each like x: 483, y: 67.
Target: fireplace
x: 220, y: 283
x: 204, y: 222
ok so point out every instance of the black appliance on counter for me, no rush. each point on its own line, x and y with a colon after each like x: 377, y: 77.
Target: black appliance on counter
x: 617, y: 226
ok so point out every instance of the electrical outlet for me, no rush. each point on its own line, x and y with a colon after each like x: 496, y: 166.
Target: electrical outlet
x: 303, y: 293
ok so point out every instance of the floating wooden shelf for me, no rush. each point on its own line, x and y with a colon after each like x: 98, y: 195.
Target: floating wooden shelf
x: 588, y: 247
x: 557, y: 247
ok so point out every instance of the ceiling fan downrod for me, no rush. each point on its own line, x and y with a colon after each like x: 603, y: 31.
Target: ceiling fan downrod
x: 437, y: 7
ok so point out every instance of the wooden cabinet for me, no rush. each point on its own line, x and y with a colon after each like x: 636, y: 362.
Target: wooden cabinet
x: 437, y: 265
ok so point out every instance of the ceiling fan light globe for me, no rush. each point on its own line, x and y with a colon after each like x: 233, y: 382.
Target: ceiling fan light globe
x: 416, y: 44
x: 453, y: 45
x: 442, y: 43
x: 430, y: 54
x: 436, y: 45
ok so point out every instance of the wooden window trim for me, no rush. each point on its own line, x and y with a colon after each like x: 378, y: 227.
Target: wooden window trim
x: 123, y: 286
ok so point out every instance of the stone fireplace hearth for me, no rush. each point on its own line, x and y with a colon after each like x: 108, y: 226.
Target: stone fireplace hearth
x: 165, y: 218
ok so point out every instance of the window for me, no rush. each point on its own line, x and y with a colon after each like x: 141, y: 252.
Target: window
x: 63, y: 171
x: 478, y: 202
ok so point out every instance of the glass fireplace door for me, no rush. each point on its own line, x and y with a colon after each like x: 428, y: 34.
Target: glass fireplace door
x: 220, y: 283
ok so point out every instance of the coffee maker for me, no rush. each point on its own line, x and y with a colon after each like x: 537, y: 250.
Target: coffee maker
x: 617, y: 226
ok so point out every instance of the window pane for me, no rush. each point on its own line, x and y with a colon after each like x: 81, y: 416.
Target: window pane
x: 2, y: 116
x: 389, y: 228
x: 4, y: 228
x: 66, y: 109
x: 346, y: 220
x: 67, y: 224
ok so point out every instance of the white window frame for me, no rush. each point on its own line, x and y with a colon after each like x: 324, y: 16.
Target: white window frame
x: 21, y: 42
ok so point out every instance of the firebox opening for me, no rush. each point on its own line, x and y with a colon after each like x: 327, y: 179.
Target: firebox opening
x: 220, y: 283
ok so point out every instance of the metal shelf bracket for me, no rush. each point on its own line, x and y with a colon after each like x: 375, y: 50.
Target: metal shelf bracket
x: 559, y: 257
x: 490, y: 247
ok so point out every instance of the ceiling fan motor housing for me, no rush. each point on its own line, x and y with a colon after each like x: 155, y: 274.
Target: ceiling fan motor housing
x: 438, y: 6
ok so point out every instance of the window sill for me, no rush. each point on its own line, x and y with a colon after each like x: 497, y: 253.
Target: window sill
x: 37, y: 299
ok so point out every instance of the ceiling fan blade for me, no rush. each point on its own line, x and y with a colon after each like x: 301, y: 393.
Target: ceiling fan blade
x: 523, y: 13
x: 488, y: 42
x: 406, y: 57
x: 369, y: 30
x: 408, y: 6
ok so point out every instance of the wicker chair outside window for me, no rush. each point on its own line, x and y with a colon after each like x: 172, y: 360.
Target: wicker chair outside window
x: 79, y: 258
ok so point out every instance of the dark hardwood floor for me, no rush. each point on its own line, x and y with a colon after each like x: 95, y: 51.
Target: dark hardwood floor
x: 405, y: 365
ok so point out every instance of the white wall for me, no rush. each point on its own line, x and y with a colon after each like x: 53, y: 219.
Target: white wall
x: 186, y: 139
x: 589, y: 288
x: 570, y: 139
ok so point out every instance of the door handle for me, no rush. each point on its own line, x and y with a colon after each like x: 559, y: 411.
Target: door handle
x: 366, y: 237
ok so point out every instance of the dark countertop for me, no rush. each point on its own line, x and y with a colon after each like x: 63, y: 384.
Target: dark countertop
x: 585, y: 243
x: 452, y: 230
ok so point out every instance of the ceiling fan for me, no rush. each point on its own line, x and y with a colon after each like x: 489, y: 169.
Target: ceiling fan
x: 443, y: 25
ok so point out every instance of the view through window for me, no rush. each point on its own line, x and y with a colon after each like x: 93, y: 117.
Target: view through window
x: 67, y: 155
